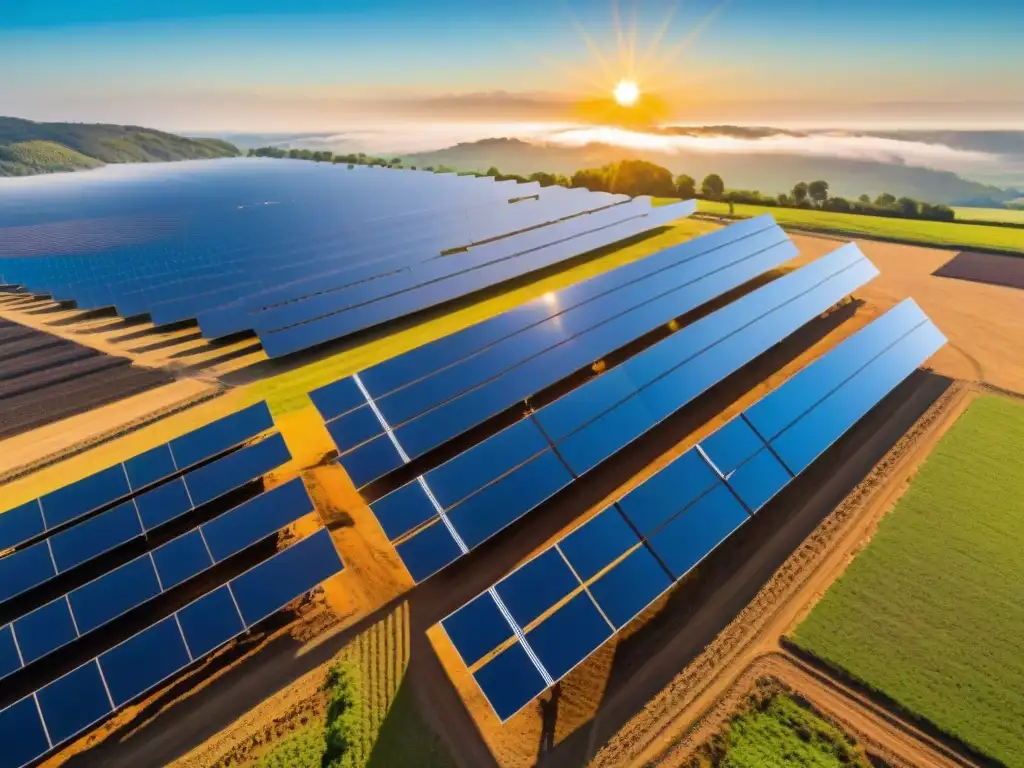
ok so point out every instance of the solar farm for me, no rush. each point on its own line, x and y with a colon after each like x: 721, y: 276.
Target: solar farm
x: 576, y: 498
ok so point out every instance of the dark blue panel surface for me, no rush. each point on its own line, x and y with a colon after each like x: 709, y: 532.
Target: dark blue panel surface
x: 337, y: 398
x: 569, y: 635
x: 45, y: 629
x: 217, y: 478
x: 659, y: 497
x: 731, y: 445
x: 87, y: 494
x: 403, y: 509
x: 427, y: 552
x: 181, y: 558
x: 630, y: 586
x: 25, y: 569
x: 92, y: 538
x: 477, y: 628
x: 220, y: 435
x: 9, y: 659
x: 783, y: 406
x: 22, y: 734
x: 73, y: 702
x: 760, y: 478
x: 598, y: 542
x: 256, y: 519
x: 210, y: 622
x: 470, y: 470
x: 371, y: 460
x: 354, y: 428
x: 149, y: 467
x: 163, y: 504
x: 535, y: 587
x: 114, y: 593
x: 145, y: 659
x: 287, y: 575
x: 20, y: 524
x: 690, y: 536
x: 485, y: 513
x: 509, y: 681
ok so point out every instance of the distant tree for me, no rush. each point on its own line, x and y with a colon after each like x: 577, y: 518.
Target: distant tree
x: 429, y: 168
x: 800, y: 193
x: 865, y: 199
x: 908, y: 206
x: 785, y: 200
x: 396, y: 161
x: 591, y: 178
x: 937, y: 212
x: 493, y: 172
x: 412, y: 167
x: 686, y: 187
x: 544, y: 179
x: 818, y: 192
x: 294, y: 154
x: 885, y: 200
x: 562, y: 181
x: 838, y: 204
x: 639, y: 177
x: 712, y: 187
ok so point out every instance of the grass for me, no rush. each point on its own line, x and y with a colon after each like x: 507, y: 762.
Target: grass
x: 383, y: 726
x: 778, y: 732
x: 930, y: 613
x: 288, y: 391
x: 990, y: 214
x: 940, y: 233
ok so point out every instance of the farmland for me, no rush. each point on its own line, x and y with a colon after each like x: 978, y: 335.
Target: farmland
x: 777, y: 731
x: 939, y: 233
x: 939, y: 582
x: 1011, y: 216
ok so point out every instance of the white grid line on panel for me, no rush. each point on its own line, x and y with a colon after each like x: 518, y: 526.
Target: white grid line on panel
x: 46, y: 731
x: 521, y: 636
x: 17, y: 646
x: 183, y: 640
x: 586, y: 589
x: 71, y: 612
x: 159, y: 581
x: 106, y: 687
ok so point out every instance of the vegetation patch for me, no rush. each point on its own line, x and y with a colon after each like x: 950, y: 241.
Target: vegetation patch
x: 930, y: 613
x: 941, y: 233
x: 777, y: 730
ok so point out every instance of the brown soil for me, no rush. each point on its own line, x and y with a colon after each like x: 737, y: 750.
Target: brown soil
x: 984, y: 268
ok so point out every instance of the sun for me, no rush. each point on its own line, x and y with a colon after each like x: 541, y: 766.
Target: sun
x: 626, y: 93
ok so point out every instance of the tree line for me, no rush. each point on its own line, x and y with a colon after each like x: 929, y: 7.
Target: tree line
x: 639, y: 177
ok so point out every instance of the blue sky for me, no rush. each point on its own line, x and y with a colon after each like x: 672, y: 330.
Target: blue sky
x: 312, y: 64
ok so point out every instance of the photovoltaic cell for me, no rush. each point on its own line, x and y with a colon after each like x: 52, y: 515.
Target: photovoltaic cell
x: 25, y: 569
x: 256, y: 519
x: 685, y: 512
x: 150, y: 467
x: 181, y: 558
x: 208, y: 482
x: 10, y: 659
x: 509, y: 681
x: 74, y: 702
x: 145, y: 659
x: 21, y: 524
x: 597, y: 543
x: 163, y: 503
x: 95, y: 536
x: 477, y: 628
x: 220, y: 435
x: 210, y: 621
x: 22, y: 733
x: 538, y: 585
x: 83, y: 496
x: 48, y: 627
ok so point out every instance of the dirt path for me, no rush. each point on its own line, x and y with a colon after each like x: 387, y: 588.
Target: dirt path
x: 898, y: 744
x: 784, y: 600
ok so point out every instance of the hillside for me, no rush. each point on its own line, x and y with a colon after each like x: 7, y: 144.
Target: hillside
x: 768, y: 173
x: 28, y: 148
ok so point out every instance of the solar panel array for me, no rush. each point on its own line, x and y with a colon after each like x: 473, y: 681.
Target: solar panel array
x: 147, y: 499
x: 451, y: 509
x: 538, y: 623
x: 404, y: 242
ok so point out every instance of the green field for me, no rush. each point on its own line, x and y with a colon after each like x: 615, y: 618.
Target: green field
x: 778, y: 732
x: 908, y: 230
x: 931, y: 612
x: 990, y: 214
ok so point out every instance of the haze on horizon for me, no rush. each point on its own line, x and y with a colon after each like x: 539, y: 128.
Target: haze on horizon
x: 314, y: 65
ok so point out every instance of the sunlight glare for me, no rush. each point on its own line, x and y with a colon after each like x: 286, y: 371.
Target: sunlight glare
x: 626, y: 93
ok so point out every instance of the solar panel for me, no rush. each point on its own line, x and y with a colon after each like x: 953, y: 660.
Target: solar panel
x: 116, y: 592
x: 70, y: 548
x: 116, y: 483
x: 448, y: 399
x: 68, y: 706
x: 565, y: 602
x: 308, y: 332
x: 482, y: 490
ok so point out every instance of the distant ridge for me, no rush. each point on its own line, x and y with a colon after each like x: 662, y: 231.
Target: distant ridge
x: 28, y: 148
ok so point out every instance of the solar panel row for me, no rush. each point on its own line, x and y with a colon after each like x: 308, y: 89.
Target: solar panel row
x: 116, y: 483
x: 59, y: 553
x: 69, y: 705
x: 535, y: 625
x: 100, y: 601
x: 458, y: 275
x: 438, y: 391
x: 465, y: 501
